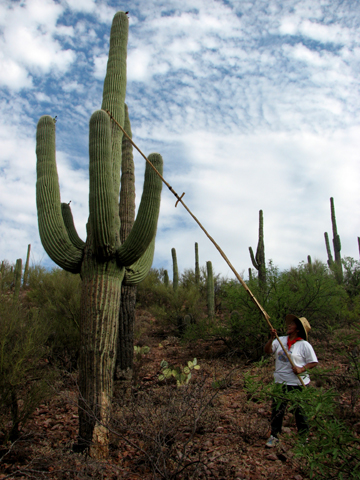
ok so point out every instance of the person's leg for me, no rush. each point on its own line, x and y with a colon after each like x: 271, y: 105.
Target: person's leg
x: 300, y: 418
x: 277, y: 416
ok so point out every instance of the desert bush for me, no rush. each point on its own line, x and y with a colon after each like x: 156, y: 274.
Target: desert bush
x: 332, y: 450
x: 24, y: 376
x: 56, y: 296
x: 164, y: 425
x: 309, y: 291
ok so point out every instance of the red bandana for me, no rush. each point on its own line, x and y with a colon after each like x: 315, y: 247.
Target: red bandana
x: 290, y: 343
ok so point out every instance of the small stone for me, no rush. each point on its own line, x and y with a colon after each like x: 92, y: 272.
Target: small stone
x: 271, y: 457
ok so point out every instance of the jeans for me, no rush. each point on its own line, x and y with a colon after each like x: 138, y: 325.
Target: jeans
x: 277, y: 414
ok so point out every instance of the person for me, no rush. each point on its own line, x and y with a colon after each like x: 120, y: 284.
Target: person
x: 303, y: 357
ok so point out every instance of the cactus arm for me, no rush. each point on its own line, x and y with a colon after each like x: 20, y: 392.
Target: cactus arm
x: 327, y: 244
x: 114, y: 99
x: 145, y: 225
x: 253, y: 258
x: 53, y: 234
x: 139, y: 270
x: 70, y: 227
x: 101, y: 204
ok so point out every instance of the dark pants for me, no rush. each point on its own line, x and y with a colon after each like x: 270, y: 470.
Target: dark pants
x: 277, y: 414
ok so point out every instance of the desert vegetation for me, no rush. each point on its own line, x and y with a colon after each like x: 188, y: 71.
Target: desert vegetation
x: 198, y: 402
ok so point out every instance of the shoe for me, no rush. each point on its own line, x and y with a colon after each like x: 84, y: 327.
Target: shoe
x: 272, y: 442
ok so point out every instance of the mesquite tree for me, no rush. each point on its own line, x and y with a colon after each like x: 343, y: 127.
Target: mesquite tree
x: 103, y: 262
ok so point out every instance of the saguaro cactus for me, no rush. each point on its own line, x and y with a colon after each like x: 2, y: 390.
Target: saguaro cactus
x: 197, y: 267
x: 337, y: 265
x: 26, y: 269
x: 17, y: 279
x: 210, y: 290
x: 166, y: 278
x: 175, y: 270
x: 125, y: 350
x: 102, y: 261
x: 259, y: 260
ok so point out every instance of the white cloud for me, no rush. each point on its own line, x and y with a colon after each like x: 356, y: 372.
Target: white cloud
x: 246, y: 119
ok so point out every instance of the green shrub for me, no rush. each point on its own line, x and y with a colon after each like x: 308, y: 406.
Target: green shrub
x: 24, y: 376
x: 56, y: 296
x: 310, y: 291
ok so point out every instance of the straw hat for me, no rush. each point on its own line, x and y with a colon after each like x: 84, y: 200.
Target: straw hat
x: 302, y: 323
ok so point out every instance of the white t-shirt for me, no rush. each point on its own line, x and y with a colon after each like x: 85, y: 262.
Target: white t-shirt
x: 301, y: 353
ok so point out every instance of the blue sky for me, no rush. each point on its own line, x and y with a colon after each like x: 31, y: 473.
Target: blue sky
x: 252, y: 104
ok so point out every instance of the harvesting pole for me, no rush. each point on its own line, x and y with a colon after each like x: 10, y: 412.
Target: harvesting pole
x: 180, y: 200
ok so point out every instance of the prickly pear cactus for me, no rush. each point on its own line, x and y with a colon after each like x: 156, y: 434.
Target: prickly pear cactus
x: 103, y: 260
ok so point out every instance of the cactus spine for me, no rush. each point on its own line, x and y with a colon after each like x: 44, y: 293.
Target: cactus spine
x: 336, y: 265
x: 210, y: 290
x: 102, y: 261
x: 175, y: 270
x: 259, y: 260
x: 197, y: 267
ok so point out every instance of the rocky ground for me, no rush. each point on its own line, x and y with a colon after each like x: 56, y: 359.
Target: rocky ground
x: 210, y: 427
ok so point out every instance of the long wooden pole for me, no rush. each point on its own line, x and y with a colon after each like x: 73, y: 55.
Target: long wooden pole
x: 180, y: 199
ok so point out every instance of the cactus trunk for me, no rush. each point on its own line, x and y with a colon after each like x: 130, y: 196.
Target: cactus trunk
x: 26, y: 269
x: 175, y: 270
x: 197, y: 267
x: 210, y: 290
x: 335, y: 266
x: 125, y: 343
x: 100, y: 303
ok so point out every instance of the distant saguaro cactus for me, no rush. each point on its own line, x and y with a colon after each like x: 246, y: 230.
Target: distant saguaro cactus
x: 336, y: 265
x: 210, y: 290
x: 309, y: 259
x: 259, y: 260
x: 26, y: 269
x: 17, y: 279
x: 197, y: 267
x: 166, y: 278
x: 103, y: 261
x: 175, y: 270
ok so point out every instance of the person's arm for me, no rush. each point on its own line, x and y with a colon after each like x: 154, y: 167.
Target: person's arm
x: 268, y: 345
x: 308, y: 366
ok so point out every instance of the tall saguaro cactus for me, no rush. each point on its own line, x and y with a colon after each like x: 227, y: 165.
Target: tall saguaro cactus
x: 103, y: 261
x: 210, y: 290
x: 259, y: 260
x: 125, y: 350
x: 337, y: 265
x: 175, y: 270
x: 197, y: 267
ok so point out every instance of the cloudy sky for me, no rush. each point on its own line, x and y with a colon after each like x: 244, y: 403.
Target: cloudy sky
x: 252, y: 104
